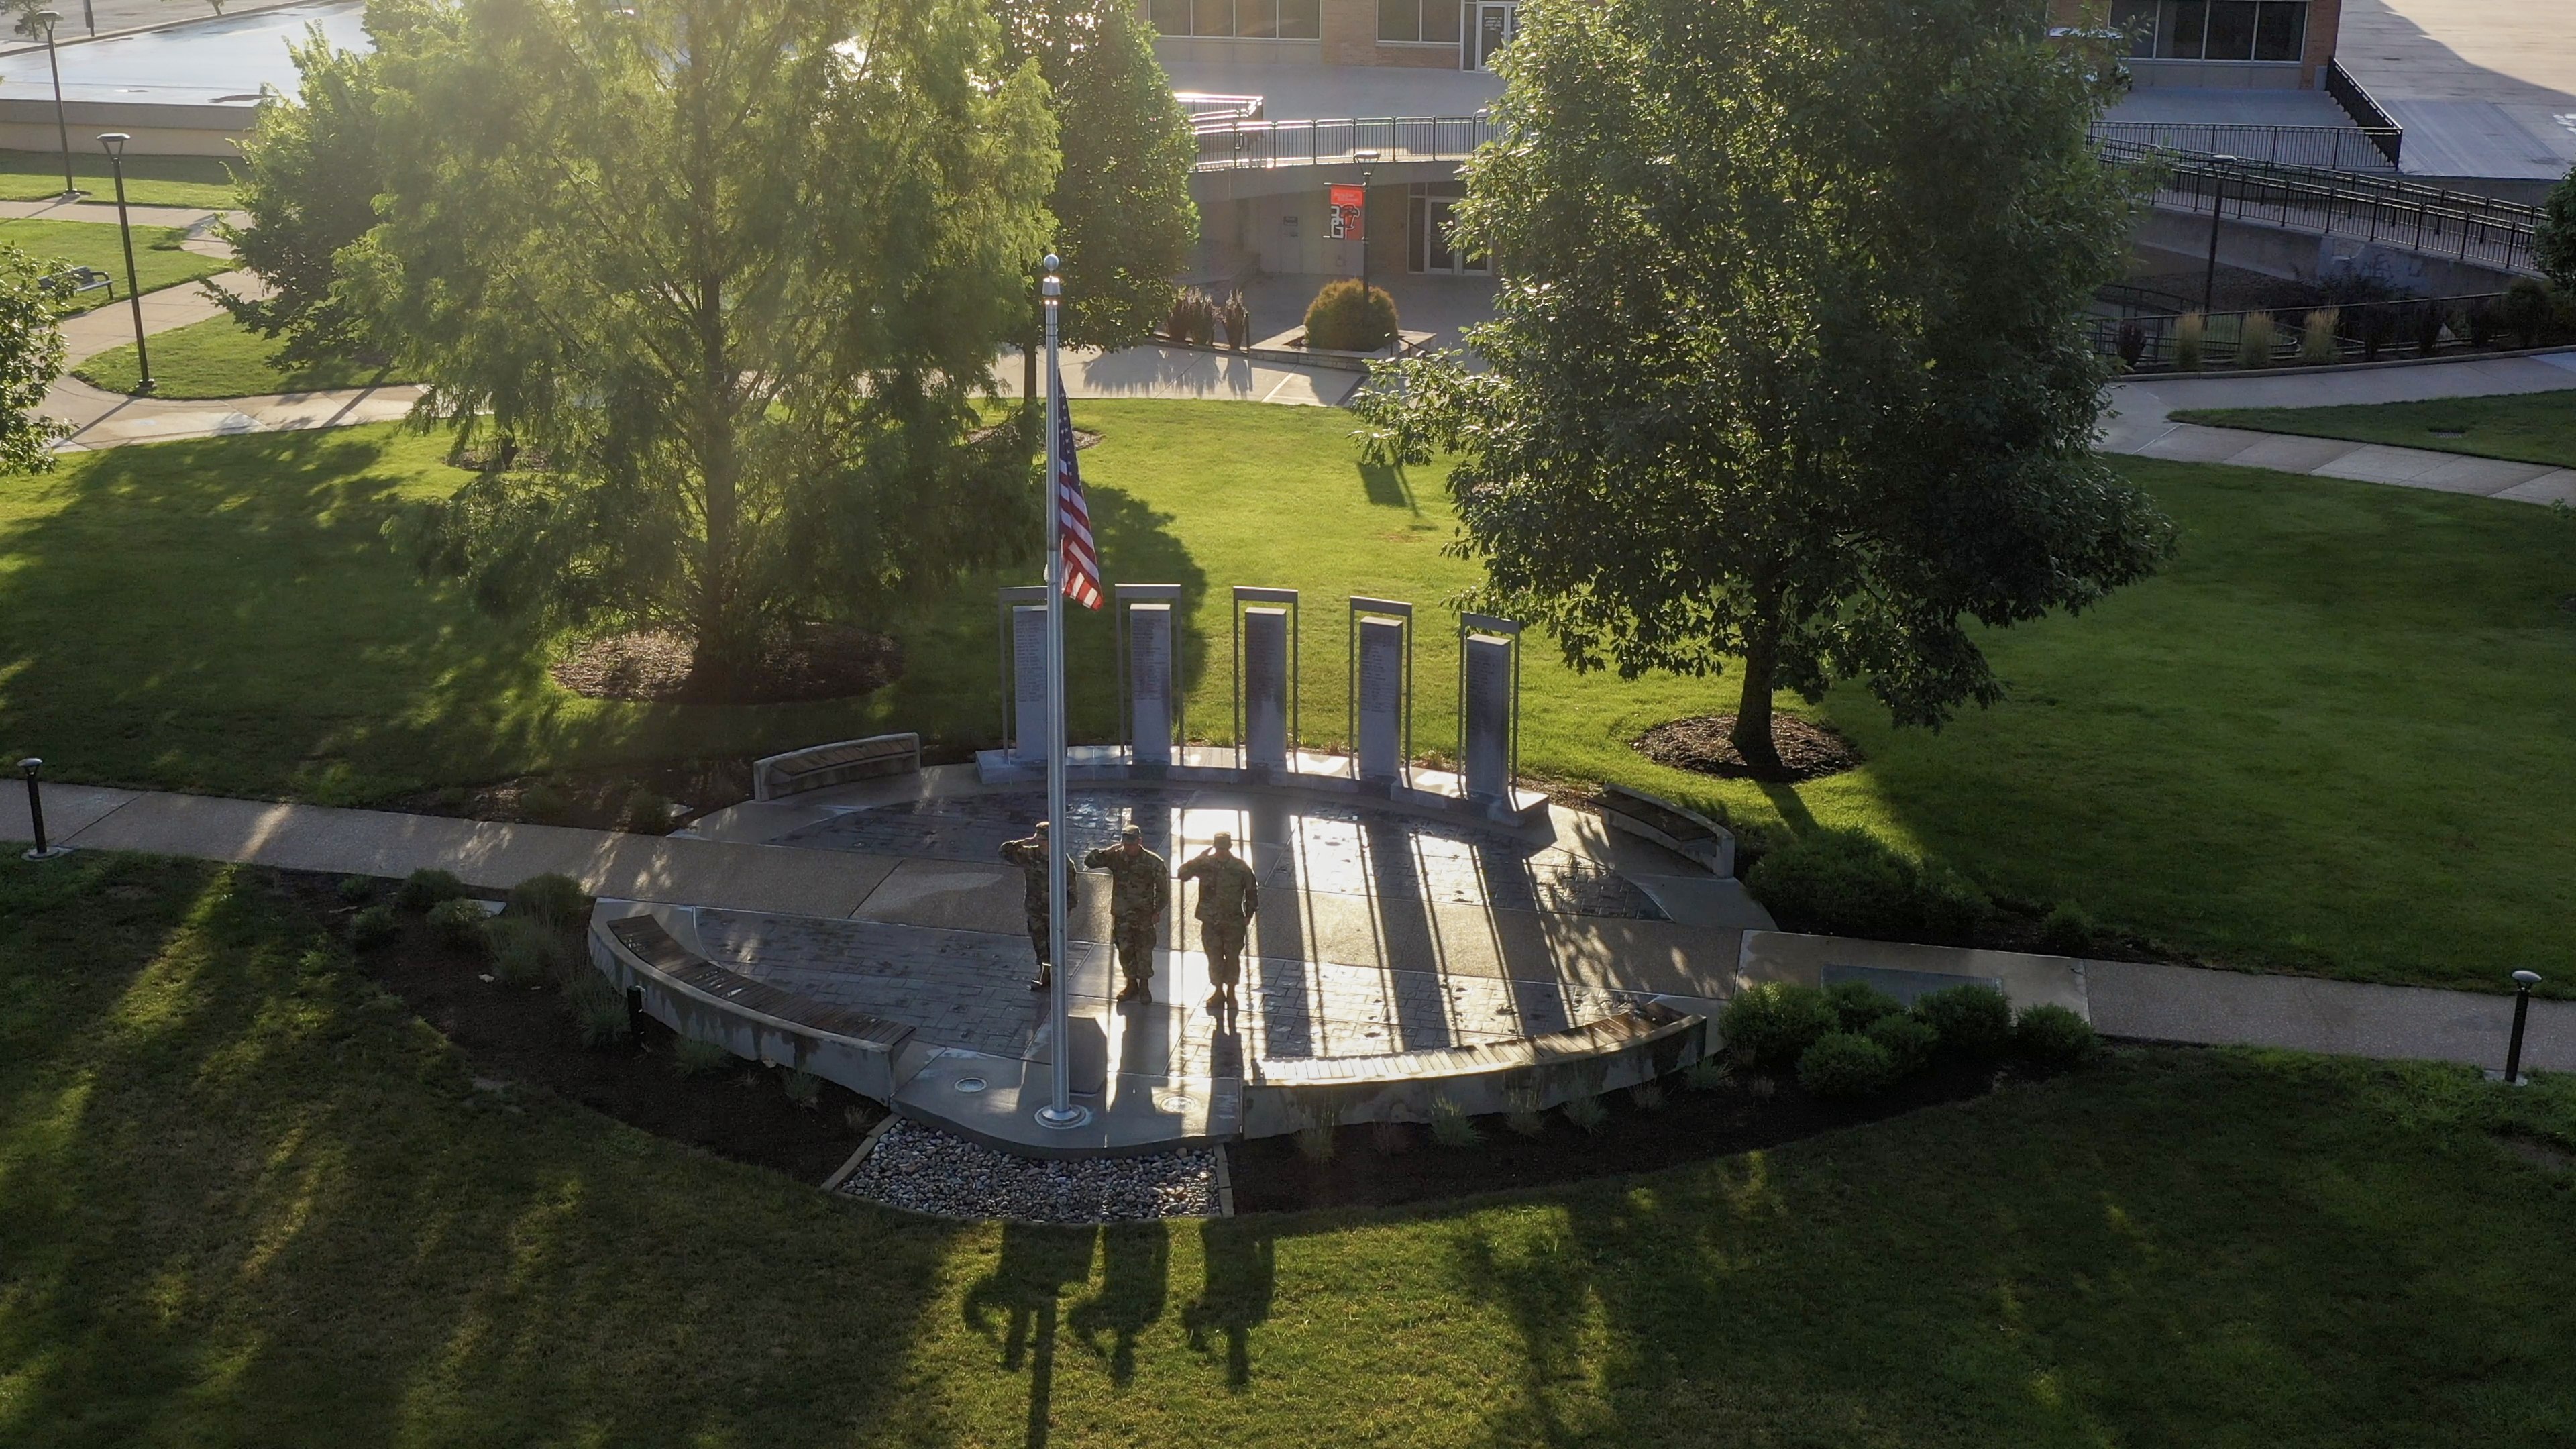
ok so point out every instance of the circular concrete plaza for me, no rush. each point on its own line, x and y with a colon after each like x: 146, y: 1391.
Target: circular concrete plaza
x: 1393, y: 944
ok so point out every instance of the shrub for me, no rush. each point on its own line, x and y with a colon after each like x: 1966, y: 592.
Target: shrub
x: 554, y: 901
x: 2053, y: 1036
x: 1845, y: 1066
x: 458, y: 922
x: 1587, y: 1114
x: 599, y: 1014
x: 2133, y: 342
x: 1316, y: 1141
x: 2066, y: 931
x: 1647, y: 1096
x: 2191, y: 335
x: 2428, y: 329
x: 1837, y: 882
x: 544, y: 803
x: 2553, y: 239
x: 1237, y: 320
x: 1768, y: 1025
x: 2477, y: 322
x: 1192, y: 317
x: 357, y: 890
x: 1974, y: 1021
x: 1522, y: 1115
x: 1451, y: 1126
x: 2317, y: 345
x: 1910, y: 1041
x: 646, y: 812
x: 2525, y: 311
x: 523, y: 952
x: 1949, y: 910
x: 802, y: 1087
x: 373, y: 927
x: 2255, y: 339
x: 1708, y: 1074
x: 696, y: 1058
x: 1857, y: 1004
x: 1344, y: 317
x: 423, y: 889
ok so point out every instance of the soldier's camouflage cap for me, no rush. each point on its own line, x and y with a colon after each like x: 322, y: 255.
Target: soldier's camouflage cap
x: 1132, y: 832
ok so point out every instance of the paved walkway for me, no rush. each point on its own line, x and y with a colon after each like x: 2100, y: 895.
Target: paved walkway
x: 2168, y: 1003
x: 2142, y: 424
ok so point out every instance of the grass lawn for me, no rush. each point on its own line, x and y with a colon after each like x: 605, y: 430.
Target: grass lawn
x: 2325, y: 738
x: 218, y: 358
x: 2529, y: 427
x: 158, y: 260
x: 248, y: 1199
x: 149, y: 180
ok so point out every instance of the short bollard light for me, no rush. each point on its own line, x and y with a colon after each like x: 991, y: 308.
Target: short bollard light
x: 2523, y: 982
x: 44, y: 849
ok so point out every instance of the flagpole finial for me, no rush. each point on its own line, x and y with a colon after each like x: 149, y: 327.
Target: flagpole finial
x: 1053, y: 263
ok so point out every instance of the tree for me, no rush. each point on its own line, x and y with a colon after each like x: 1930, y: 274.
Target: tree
x: 738, y: 268
x: 31, y: 357
x: 2553, y: 241
x: 1788, y: 366
x: 1123, y: 221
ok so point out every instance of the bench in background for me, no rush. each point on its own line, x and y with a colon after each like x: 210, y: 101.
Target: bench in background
x: 820, y: 767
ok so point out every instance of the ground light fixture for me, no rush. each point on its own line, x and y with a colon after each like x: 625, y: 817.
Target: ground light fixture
x: 43, y: 849
x: 114, y: 144
x: 1368, y: 160
x: 45, y: 21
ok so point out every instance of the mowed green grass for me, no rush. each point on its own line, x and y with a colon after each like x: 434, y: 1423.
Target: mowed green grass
x: 2529, y: 427
x: 219, y: 357
x: 2329, y: 736
x: 158, y: 259
x: 149, y: 180
x: 248, y: 1199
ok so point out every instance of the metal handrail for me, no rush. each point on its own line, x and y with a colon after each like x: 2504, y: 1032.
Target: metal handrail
x: 1262, y: 145
x: 2387, y: 210
x: 2337, y: 148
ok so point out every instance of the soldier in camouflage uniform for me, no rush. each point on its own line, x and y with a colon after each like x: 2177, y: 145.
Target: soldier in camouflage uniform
x: 1140, y: 885
x: 1030, y: 856
x: 1229, y: 897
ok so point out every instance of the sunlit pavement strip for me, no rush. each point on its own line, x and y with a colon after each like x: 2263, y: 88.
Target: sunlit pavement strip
x: 929, y: 1171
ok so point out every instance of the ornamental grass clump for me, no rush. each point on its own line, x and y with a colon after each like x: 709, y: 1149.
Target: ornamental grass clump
x: 2317, y: 344
x: 1708, y: 1074
x: 696, y: 1058
x: 1768, y: 1025
x: 1451, y: 1126
x: 2049, y: 1035
x: 2256, y: 337
x: 599, y: 1015
x: 425, y: 888
x: 554, y: 901
x: 373, y: 927
x: 1975, y: 1022
x: 1237, y: 320
x: 802, y: 1087
x: 1845, y: 1067
x: 2191, y: 334
x: 1588, y: 1114
x: 523, y: 952
x: 1320, y: 1139
x: 1192, y: 318
x: 1523, y: 1115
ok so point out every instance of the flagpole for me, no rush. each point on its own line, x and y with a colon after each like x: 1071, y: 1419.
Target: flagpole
x: 1060, y: 1111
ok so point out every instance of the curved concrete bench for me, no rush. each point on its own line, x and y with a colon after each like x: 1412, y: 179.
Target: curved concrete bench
x: 1537, y: 1072
x: 703, y: 1001
x: 818, y: 767
x: 1686, y: 833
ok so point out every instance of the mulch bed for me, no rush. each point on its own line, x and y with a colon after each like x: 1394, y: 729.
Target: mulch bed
x: 813, y: 662
x: 1808, y: 750
x: 518, y: 1039
x: 1381, y: 1164
x: 592, y: 799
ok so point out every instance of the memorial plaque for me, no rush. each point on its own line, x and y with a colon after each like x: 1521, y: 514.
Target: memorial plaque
x: 1029, y: 680
x: 1381, y: 741
x: 1489, y: 716
x: 1265, y: 688
x: 1149, y: 681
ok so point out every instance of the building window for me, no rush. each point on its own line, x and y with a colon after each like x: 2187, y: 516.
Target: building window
x: 1407, y: 20
x: 1248, y: 19
x: 2272, y: 30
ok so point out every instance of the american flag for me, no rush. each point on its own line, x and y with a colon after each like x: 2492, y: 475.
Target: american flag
x: 1073, y: 514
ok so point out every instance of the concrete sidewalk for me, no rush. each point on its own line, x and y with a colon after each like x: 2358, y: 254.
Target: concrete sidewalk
x: 2141, y: 424
x: 2127, y: 999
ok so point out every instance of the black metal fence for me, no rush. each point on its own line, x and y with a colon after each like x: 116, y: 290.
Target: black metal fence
x: 2333, y: 148
x: 2150, y: 340
x: 2429, y: 220
x: 1261, y: 145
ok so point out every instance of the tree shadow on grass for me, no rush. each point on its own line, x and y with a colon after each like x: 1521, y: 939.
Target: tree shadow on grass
x: 251, y: 1201
x: 1388, y: 487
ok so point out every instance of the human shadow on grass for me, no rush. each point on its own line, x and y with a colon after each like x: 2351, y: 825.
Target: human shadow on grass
x: 1016, y: 1307
x: 268, y: 1198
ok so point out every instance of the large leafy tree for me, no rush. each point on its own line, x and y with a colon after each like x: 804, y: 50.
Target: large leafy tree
x: 1123, y: 221
x: 1788, y: 371
x: 738, y: 268
x: 31, y: 357
x: 2553, y: 241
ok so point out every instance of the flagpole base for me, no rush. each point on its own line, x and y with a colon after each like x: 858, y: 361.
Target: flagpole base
x: 1074, y: 1115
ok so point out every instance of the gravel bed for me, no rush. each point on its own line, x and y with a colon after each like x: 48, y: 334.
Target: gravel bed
x: 929, y: 1171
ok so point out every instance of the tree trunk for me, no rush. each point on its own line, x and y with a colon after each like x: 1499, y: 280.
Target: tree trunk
x: 1752, y: 733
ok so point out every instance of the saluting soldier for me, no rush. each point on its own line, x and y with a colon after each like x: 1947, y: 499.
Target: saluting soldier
x: 1140, y: 885
x: 1030, y: 855
x: 1229, y: 897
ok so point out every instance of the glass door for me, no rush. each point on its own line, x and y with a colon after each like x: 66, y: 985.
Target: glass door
x: 1491, y: 24
x: 1432, y: 249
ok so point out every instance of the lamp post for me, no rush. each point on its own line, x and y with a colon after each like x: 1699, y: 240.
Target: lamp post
x: 1368, y: 164
x: 43, y: 849
x: 2523, y: 981
x: 46, y: 20
x: 2217, y: 205
x: 114, y: 144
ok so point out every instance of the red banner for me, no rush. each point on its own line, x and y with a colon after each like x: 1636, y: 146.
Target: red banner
x: 1350, y: 213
